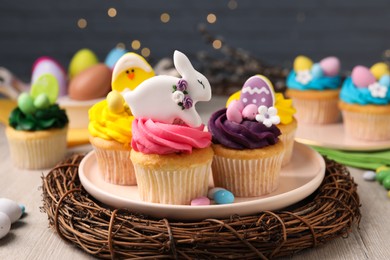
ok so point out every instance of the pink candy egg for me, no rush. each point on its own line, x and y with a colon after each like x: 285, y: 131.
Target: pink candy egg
x: 249, y: 111
x: 330, y: 66
x: 201, y: 201
x: 234, y: 111
x: 47, y: 65
x: 362, y: 76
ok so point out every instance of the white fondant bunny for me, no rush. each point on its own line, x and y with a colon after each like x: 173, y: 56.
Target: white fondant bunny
x: 166, y: 98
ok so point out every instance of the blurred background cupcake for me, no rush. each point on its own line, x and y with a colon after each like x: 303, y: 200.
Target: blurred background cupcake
x: 365, y: 103
x: 314, y: 89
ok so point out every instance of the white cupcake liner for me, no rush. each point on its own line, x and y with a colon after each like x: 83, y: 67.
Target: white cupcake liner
x: 247, y: 178
x: 42, y: 152
x: 288, y: 141
x: 173, y: 186
x: 314, y: 111
x: 116, y: 166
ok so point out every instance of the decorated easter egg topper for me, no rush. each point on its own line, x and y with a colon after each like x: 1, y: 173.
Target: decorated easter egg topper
x: 167, y: 98
x: 376, y: 79
x: 129, y: 71
x: 256, y: 102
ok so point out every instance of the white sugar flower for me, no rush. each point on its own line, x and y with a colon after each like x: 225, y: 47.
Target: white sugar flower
x: 303, y: 76
x: 268, y: 116
x: 377, y: 90
x: 178, y: 96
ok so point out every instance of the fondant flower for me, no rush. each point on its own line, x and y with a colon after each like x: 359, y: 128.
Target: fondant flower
x: 303, y: 76
x: 268, y: 116
x: 178, y: 96
x: 377, y: 90
x: 187, y: 102
x: 182, y: 85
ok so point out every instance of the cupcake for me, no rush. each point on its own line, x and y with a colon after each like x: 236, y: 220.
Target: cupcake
x: 38, y: 127
x: 171, y: 152
x: 288, y: 124
x: 365, y: 103
x: 314, y: 89
x: 248, y: 152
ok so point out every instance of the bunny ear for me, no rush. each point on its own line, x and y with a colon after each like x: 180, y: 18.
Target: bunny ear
x: 182, y: 63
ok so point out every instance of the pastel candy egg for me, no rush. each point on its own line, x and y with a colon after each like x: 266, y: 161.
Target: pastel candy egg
x: 42, y: 101
x: 115, y: 102
x: 249, y: 111
x: 257, y: 90
x: 201, y: 201
x: 369, y: 175
x: 302, y: 63
x: 362, y: 77
x: 380, y: 176
x: 5, y: 225
x: 223, y: 197
x: 234, y: 111
x: 386, y: 182
x: 212, y: 192
x: 26, y: 103
x: 46, y: 84
x: 11, y: 209
x: 47, y: 65
x: 113, y: 56
x: 82, y: 60
x: 316, y: 71
x: 379, y: 69
x: 385, y: 80
x: 330, y: 66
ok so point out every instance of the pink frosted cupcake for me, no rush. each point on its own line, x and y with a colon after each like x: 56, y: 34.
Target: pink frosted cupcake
x: 171, y: 151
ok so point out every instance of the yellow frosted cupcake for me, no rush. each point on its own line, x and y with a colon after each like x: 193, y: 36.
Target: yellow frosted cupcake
x: 365, y: 103
x: 38, y: 128
x: 314, y: 89
x: 171, y: 151
x: 248, y: 152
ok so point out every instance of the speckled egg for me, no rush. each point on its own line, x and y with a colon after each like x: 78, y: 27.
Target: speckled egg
x: 92, y: 83
x: 5, y: 224
x: 12, y: 209
x: 47, y: 65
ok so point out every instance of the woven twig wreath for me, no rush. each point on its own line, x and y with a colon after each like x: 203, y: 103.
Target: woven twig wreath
x: 78, y: 218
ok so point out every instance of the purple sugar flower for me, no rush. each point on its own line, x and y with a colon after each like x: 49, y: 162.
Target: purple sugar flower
x: 182, y: 85
x: 187, y: 102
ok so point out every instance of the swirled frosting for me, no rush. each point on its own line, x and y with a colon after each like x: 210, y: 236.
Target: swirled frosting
x: 108, y: 125
x: 285, y: 109
x: 351, y: 94
x: 249, y: 134
x: 150, y: 137
x: 42, y: 119
x: 321, y: 83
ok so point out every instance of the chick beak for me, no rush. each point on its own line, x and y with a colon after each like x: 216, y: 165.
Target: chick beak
x: 131, y: 75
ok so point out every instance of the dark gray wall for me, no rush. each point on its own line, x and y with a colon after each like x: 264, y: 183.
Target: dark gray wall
x: 358, y: 31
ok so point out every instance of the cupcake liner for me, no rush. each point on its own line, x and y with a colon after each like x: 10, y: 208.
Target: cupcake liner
x: 37, y: 150
x: 176, y: 186
x: 367, y: 126
x: 115, y: 165
x: 247, y: 178
x: 288, y: 141
x: 316, y: 111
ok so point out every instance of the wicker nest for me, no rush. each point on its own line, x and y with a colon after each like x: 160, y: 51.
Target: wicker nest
x: 78, y: 218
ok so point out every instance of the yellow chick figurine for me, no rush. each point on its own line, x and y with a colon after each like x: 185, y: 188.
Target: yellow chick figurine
x: 129, y: 71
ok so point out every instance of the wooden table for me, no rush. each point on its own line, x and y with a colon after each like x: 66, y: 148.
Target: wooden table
x: 31, y: 237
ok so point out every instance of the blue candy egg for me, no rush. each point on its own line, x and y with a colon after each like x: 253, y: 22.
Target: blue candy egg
x: 316, y: 71
x: 385, y: 80
x: 223, y: 197
x: 113, y: 56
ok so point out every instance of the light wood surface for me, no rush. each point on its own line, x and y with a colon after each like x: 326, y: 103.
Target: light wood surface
x: 31, y: 237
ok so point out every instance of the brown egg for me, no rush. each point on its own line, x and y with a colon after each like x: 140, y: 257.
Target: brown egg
x: 92, y: 83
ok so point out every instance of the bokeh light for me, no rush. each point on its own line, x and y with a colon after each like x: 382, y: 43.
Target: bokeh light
x: 165, y: 17
x: 211, y: 18
x: 217, y: 44
x: 136, y: 44
x: 232, y: 4
x: 82, y: 23
x: 145, y: 52
x: 112, y: 12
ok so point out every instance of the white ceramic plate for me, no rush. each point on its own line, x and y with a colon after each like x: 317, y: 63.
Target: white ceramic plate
x: 299, y: 179
x: 333, y: 136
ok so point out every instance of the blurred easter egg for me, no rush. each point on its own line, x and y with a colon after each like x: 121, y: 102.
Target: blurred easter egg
x: 379, y: 69
x: 83, y: 59
x: 92, y: 83
x: 113, y: 56
x: 235, y: 96
x: 385, y: 80
x: 257, y: 90
x: 362, y: 76
x: 316, y: 71
x: 46, y: 84
x: 5, y: 224
x: 26, y: 103
x: 47, y: 65
x: 302, y: 63
x: 13, y: 210
x: 115, y: 102
x: 42, y: 101
x: 223, y: 197
x: 330, y: 66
